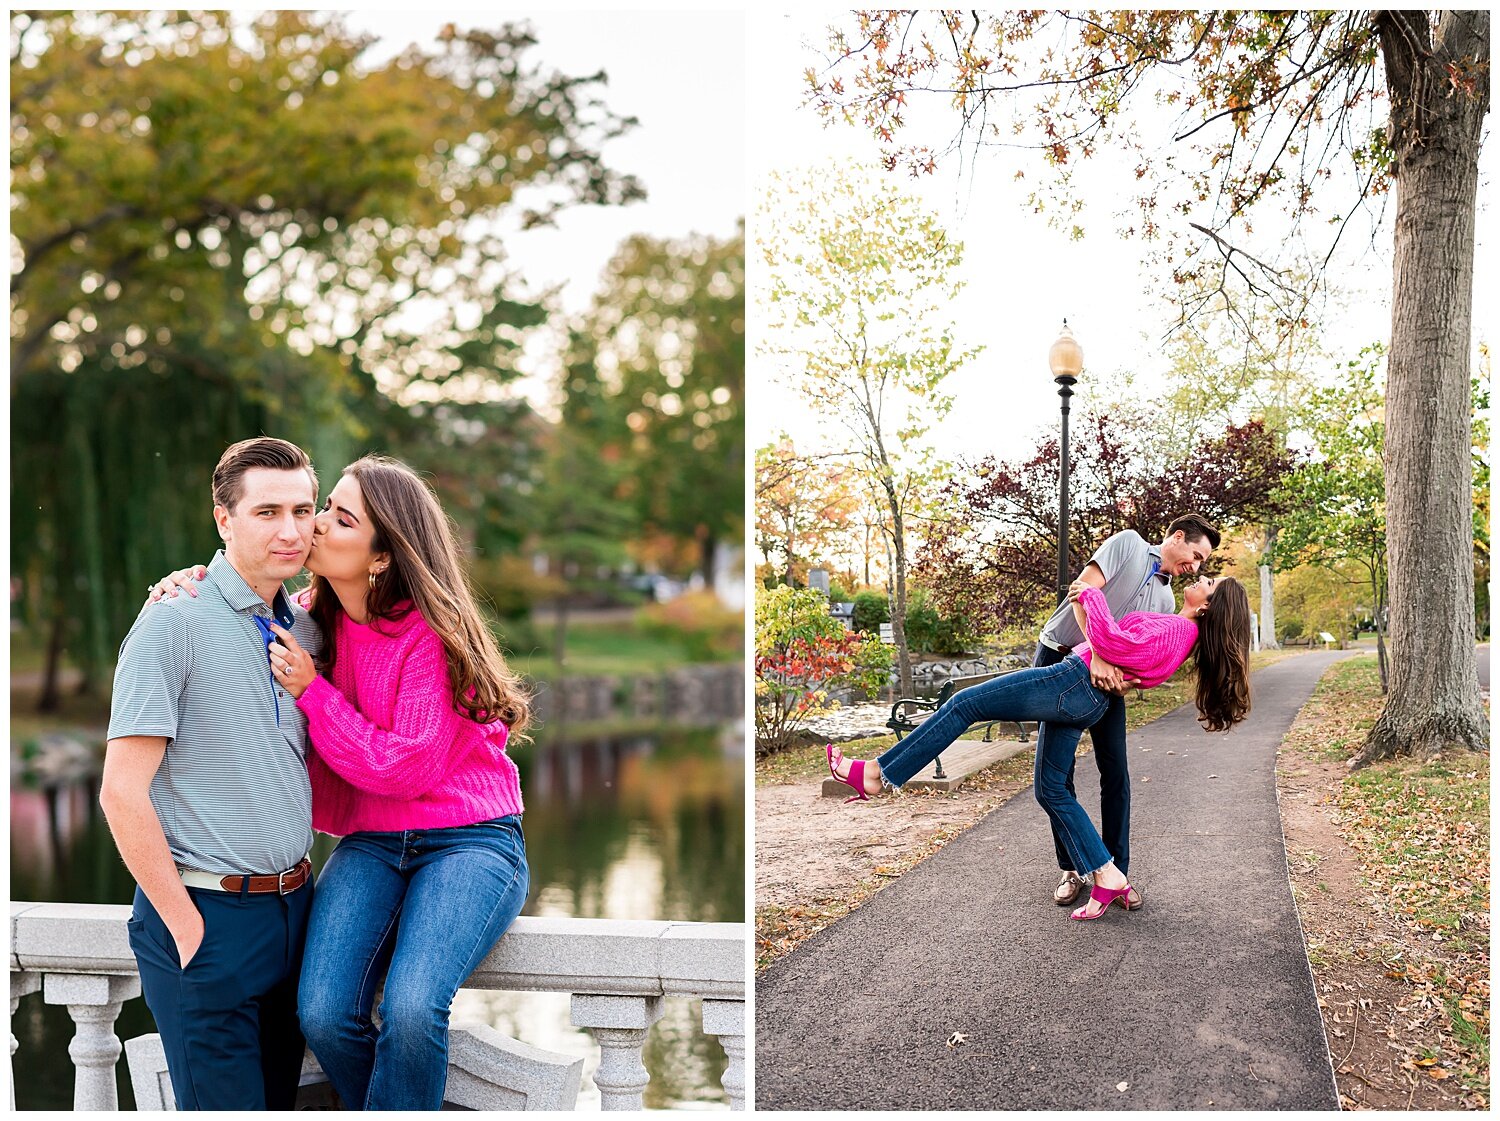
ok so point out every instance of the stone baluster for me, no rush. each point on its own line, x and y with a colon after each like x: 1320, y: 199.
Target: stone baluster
x: 726, y: 1019
x: 619, y: 1025
x: 21, y: 984
x: 93, y: 1001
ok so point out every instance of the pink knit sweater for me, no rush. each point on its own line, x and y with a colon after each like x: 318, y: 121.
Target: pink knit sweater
x: 1150, y: 646
x: 389, y: 750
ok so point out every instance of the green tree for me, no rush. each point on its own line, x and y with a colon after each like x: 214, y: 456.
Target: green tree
x: 580, y: 508
x: 669, y: 331
x: 1270, y: 112
x: 1335, y: 505
x: 216, y: 233
x: 858, y: 279
x: 154, y: 152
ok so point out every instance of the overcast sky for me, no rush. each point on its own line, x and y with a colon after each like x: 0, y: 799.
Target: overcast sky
x: 1023, y: 277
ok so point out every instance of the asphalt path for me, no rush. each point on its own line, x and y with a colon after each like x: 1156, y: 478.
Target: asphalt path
x: 1203, y: 999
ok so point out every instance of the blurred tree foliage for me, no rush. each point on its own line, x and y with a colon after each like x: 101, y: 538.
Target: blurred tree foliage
x: 668, y: 328
x: 222, y: 227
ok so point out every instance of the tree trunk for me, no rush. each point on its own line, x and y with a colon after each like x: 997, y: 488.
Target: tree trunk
x: 560, y: 634
x: 1380, y: 652
x: 898, y: 601
x: 1438, y: 101
x: 51, y: 692
x: 1267, y: 611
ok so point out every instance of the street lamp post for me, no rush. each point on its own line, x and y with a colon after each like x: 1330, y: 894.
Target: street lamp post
x: 1066, y: 360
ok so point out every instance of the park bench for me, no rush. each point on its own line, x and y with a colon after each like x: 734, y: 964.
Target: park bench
x: 902, y: 722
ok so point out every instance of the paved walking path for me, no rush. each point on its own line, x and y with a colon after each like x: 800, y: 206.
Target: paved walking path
x: 1203, y: 999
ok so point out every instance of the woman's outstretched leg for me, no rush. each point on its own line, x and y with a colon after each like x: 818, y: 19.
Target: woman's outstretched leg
x: 1060, y: 694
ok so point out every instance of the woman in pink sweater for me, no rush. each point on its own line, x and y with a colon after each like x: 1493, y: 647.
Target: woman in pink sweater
x: 1213, y: 625
x: 410, y: 708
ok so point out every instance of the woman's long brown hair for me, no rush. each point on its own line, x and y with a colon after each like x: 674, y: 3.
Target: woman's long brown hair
x: 1222, y: 657
x: 425, y: 568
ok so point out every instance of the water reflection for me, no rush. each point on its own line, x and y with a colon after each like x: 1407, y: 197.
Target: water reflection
x: 640, y: 826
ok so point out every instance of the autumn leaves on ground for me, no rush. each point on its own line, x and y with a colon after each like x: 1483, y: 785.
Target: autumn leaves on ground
x: 1390, y: 869
x: 1389, y: 866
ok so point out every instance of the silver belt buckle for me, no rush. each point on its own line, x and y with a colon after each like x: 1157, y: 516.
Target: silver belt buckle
x: 281, y: 881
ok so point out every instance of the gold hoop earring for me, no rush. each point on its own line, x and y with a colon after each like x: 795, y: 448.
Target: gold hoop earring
x: 372, y: 579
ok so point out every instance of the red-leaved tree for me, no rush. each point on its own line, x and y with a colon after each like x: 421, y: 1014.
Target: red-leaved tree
x: 994, y: 558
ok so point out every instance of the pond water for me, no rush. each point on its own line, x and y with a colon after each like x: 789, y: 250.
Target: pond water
x: 648, y: 825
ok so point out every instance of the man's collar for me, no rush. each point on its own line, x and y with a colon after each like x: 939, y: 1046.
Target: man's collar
x: 1162, y: 574
x: 240, y: 595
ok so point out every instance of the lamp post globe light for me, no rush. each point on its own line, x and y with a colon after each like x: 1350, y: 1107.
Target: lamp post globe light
x: 1066, y: 360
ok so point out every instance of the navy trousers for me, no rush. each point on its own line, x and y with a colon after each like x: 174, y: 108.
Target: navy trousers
x: 1108, y: 735
x: 228, y: 1022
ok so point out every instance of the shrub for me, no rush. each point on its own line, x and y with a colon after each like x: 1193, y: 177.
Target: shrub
x: 707, y: 630
x: 870, y: 610
x: 801, y: 652
x: 928, y: 632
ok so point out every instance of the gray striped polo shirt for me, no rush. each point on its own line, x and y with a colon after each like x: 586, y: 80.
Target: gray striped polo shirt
x: 1125, y: 559
x: 232, y: 790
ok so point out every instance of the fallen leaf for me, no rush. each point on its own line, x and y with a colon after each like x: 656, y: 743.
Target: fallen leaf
x: 1437, y: 1072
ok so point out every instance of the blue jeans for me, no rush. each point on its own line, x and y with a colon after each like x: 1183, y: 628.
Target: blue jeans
x: 1063, y: 697
x: 1108, y: 734
x: 422, y: 907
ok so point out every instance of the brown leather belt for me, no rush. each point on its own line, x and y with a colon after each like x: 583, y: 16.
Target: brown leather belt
x: 283, y: 883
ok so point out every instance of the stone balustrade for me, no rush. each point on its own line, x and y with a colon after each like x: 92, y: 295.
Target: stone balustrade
x: 617, y: 972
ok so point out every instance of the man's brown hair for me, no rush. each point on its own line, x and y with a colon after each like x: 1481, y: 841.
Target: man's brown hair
x: 262, y: 451
x: 1195, y: 527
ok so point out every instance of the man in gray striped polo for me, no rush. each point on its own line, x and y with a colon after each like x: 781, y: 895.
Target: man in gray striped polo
x: 1134, y: 575
x: 206, y: 792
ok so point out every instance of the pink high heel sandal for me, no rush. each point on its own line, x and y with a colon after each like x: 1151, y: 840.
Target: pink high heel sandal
x: 1105, y: 896
x: 855, y: 780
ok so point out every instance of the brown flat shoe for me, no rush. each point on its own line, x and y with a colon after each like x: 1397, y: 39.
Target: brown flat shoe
x: 1072, y: 887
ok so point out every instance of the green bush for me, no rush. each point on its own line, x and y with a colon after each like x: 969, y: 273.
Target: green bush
x: 870, y: 610
x: 1290, y: 628
x: 928, y: 632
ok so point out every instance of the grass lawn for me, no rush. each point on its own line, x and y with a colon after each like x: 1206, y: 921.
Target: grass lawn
x: 601, y: 650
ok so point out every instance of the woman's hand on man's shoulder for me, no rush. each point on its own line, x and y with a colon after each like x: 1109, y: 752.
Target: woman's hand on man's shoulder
x: 173, y: 584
